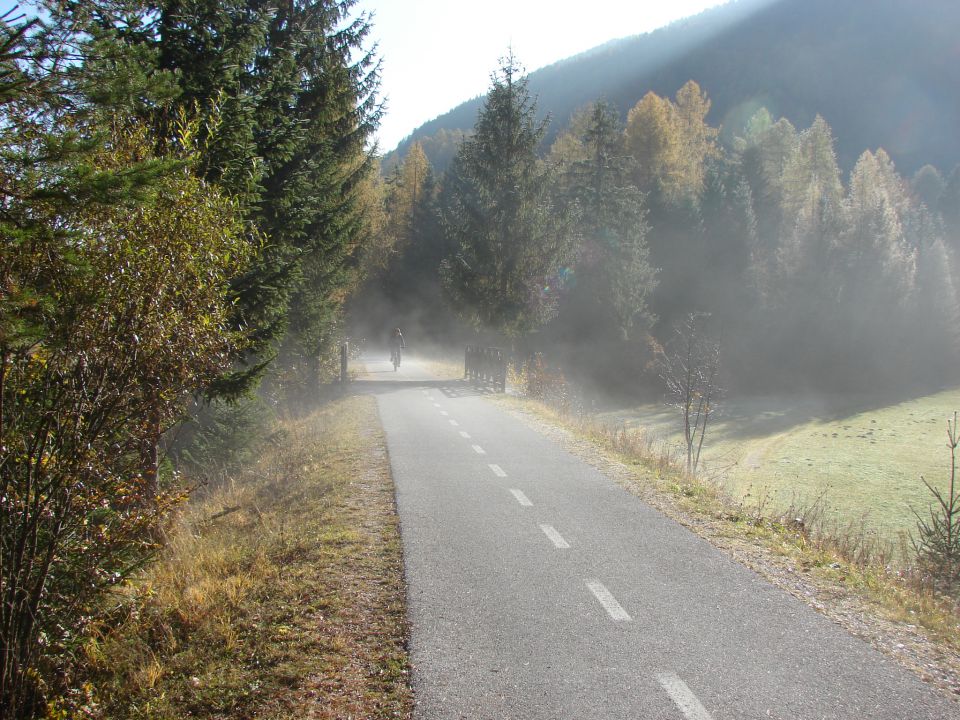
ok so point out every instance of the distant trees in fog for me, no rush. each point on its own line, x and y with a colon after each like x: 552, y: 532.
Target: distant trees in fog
x: 816, y: 279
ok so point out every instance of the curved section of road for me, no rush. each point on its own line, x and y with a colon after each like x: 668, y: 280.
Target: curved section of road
x: 539, y: 589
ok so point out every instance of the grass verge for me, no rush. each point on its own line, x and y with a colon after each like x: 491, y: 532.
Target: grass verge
x: 280, y: 594
x: 837, y: 574
x: 860, y: 457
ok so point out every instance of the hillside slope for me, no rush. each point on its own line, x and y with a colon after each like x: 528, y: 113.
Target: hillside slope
x: 883, y: 73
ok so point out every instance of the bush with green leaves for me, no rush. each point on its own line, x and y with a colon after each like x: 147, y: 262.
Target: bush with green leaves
x: 117, y: 315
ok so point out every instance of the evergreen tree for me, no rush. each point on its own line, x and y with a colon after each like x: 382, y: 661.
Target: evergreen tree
x: 812, y: 195
x: 874, y: 267
x: 316, y: 187
x: 613, y: 272
x: 697, y: 139
x: 289, y: 95
x: 768, y: 146
x: 928, y: 184
x: 949, y: 206
x: 411, y: 280
x: 511, y: 241
x: 671, y: 143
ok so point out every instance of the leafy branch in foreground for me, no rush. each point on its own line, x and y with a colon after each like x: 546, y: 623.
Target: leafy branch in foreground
x: 129, y: 319
x: 937, y: 542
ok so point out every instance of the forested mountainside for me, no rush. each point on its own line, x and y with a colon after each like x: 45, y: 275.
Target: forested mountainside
x: 879, y: 72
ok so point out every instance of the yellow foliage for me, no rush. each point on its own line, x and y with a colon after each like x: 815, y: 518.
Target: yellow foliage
x: 671, y: 142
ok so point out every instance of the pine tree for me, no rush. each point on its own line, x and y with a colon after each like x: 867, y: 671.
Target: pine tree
x: 407, y: 193
x: 948, y: 205
x: 928, y: 184
x: 315, y: 190
x: 290, y: 98
x: 768, y: 147
x: 671, y: 143
x: 613, y: 273
x: 511, y: 241
x: 812, y: 196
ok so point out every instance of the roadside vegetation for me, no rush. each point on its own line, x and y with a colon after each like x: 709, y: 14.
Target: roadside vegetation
x: 177, y: 217
x: 280, y: 592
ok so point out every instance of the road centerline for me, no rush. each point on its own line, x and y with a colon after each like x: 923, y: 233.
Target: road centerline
x: 555, y: 537
x: 479, y: 450
x: 608, y: 601
x: 683, y: 697
x: 521, y: 498
x: 497, y: 470
x: 464, y: 434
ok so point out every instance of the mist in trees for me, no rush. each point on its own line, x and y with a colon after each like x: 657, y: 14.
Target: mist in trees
x: 816, y: 278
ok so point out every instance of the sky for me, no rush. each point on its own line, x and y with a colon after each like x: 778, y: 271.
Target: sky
x: 439, y: 53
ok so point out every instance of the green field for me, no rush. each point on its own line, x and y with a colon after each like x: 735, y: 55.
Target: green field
x: 864, y: 457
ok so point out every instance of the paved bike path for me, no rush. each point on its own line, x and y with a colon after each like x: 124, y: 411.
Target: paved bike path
x: 538, y: 588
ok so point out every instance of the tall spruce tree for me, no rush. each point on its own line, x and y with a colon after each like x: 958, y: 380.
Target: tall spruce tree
x: 613, y: 271
x: 316, y: 183
x: 511, y: 240
x: 289, y: 96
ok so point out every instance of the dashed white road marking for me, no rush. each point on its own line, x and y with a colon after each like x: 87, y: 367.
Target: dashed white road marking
x: 455, y: 423
x: 465, y: 434
x: 479, y: 450
x: 521, y: 498
x: 609, y: 602
x: 436, y: 404
x: 444, y: 413
x: 555, y: 537
x: 683, y: 697
x: 497, y: 470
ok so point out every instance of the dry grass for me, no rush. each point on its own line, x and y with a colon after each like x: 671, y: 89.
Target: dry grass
x: 280, y: 594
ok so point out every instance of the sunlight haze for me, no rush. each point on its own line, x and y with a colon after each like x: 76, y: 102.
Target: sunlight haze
x: 437, y: 54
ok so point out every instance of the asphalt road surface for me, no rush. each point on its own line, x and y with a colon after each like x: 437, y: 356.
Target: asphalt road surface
x: 539, y: 589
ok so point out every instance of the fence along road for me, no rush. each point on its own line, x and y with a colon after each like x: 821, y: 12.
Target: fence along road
x: 539, y: 589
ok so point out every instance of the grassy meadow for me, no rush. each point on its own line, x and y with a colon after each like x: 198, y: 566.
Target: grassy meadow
x: 860, y: 460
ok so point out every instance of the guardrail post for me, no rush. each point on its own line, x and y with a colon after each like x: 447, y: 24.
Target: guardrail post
x: 503, y: 372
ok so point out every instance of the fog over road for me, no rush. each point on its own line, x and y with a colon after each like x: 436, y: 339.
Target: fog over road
x: 538, y: 588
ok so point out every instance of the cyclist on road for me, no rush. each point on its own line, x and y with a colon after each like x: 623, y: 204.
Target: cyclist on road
x: 396, y: 344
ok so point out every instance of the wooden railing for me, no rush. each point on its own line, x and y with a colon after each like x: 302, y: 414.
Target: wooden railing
x: 486, y: 365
